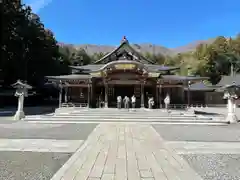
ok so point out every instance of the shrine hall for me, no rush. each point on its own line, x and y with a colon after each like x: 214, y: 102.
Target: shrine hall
x: 126, y: 72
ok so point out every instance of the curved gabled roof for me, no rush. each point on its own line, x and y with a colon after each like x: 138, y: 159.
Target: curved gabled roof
x: 132, y: 50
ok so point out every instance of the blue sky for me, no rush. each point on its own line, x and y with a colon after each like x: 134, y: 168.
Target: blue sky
x: 170, y: 23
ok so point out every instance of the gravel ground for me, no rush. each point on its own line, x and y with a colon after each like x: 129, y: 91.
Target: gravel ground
x: 25, y: 130
x: 30, y: 165
x: 228, y: 133
x: 215, y: 166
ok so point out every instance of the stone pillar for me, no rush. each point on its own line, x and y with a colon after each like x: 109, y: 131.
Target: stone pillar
x: 142, y: 95
x: 106, y: 96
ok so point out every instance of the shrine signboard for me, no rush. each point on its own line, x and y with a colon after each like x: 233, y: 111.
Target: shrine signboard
x: 125, y: 66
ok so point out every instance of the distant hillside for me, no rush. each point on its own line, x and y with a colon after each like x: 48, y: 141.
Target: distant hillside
x: 191, y: 46
x: 143, y: 48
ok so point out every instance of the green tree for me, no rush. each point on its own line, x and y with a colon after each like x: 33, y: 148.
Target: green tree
x: 29, y: 51
x: 97, y: 56
x: 81, y: 58
x: 159, y: 58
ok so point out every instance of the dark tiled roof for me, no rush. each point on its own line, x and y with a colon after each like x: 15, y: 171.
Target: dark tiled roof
x: 153, y: 67
x: 89, y: 67
x: 186, y: 78
x: 69, y: 77
x: 227, y: 80
x: 229, y: 86
x: 200, y: 86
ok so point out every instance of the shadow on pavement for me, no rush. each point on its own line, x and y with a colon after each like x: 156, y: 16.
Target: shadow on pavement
x: 38, y: 110
x: 207, y: 113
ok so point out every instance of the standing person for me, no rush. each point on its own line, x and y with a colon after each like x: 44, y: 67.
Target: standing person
x: 133, y: 99
x: 150, y: 103
x: 126, y: 102
x: 167, y: 101
x: 119, y: 102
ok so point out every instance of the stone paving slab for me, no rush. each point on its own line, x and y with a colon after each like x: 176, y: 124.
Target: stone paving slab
x: 125, y: 151
x: 39, y: 145
x: 25, y: 130
x: 215, y: 166
x: 204, y: 133
x: 30, y: 165
x: 188, y: 147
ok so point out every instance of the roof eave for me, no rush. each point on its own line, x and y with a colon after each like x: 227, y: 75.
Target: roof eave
x: 169, y: 69
x: 205, y: 90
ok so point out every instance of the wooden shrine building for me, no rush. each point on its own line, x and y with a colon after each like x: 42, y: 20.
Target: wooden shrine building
x: 124, y: 72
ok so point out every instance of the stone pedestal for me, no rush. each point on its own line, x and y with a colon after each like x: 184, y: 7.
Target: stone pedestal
x: 19, y: 115
x: 105, y: 105
x: 231, y: 116
x: 166, y: 106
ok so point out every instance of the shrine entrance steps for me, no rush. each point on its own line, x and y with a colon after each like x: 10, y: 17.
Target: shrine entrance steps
x: 154, y: 116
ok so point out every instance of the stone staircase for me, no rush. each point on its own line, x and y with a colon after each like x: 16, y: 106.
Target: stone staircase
x: 154, y: 116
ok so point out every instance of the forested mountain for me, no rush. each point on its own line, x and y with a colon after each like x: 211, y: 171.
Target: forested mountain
x: 143, y: 48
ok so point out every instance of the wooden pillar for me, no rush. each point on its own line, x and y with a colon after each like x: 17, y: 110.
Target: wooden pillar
x: 142, y: 95
x: 106, y: 95
x: 88, y: 96
x: 188, y: 93
x: 183, y: 94
x: 93, y: 93
x: 156, y: 92
x: 60, y: 94
x: 160, y: 96
x: 66, y: 95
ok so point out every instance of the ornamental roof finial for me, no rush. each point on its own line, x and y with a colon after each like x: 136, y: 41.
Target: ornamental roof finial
x: 124, y: 39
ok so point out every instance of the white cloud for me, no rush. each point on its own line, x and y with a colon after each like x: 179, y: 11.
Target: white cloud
x: 37, y: 5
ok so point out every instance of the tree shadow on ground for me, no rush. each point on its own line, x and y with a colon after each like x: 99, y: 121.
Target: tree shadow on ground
x: 207, y: 113
x: 40, y: 110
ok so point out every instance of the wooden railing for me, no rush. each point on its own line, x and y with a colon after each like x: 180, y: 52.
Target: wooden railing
x: 74, y: 105
x: 171, y: 106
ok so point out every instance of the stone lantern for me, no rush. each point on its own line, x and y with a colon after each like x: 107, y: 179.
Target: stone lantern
x: 21, y: 92
x: 231, y: 96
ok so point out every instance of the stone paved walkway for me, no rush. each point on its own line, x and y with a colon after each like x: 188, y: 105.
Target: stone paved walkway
x: 125, y: 152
